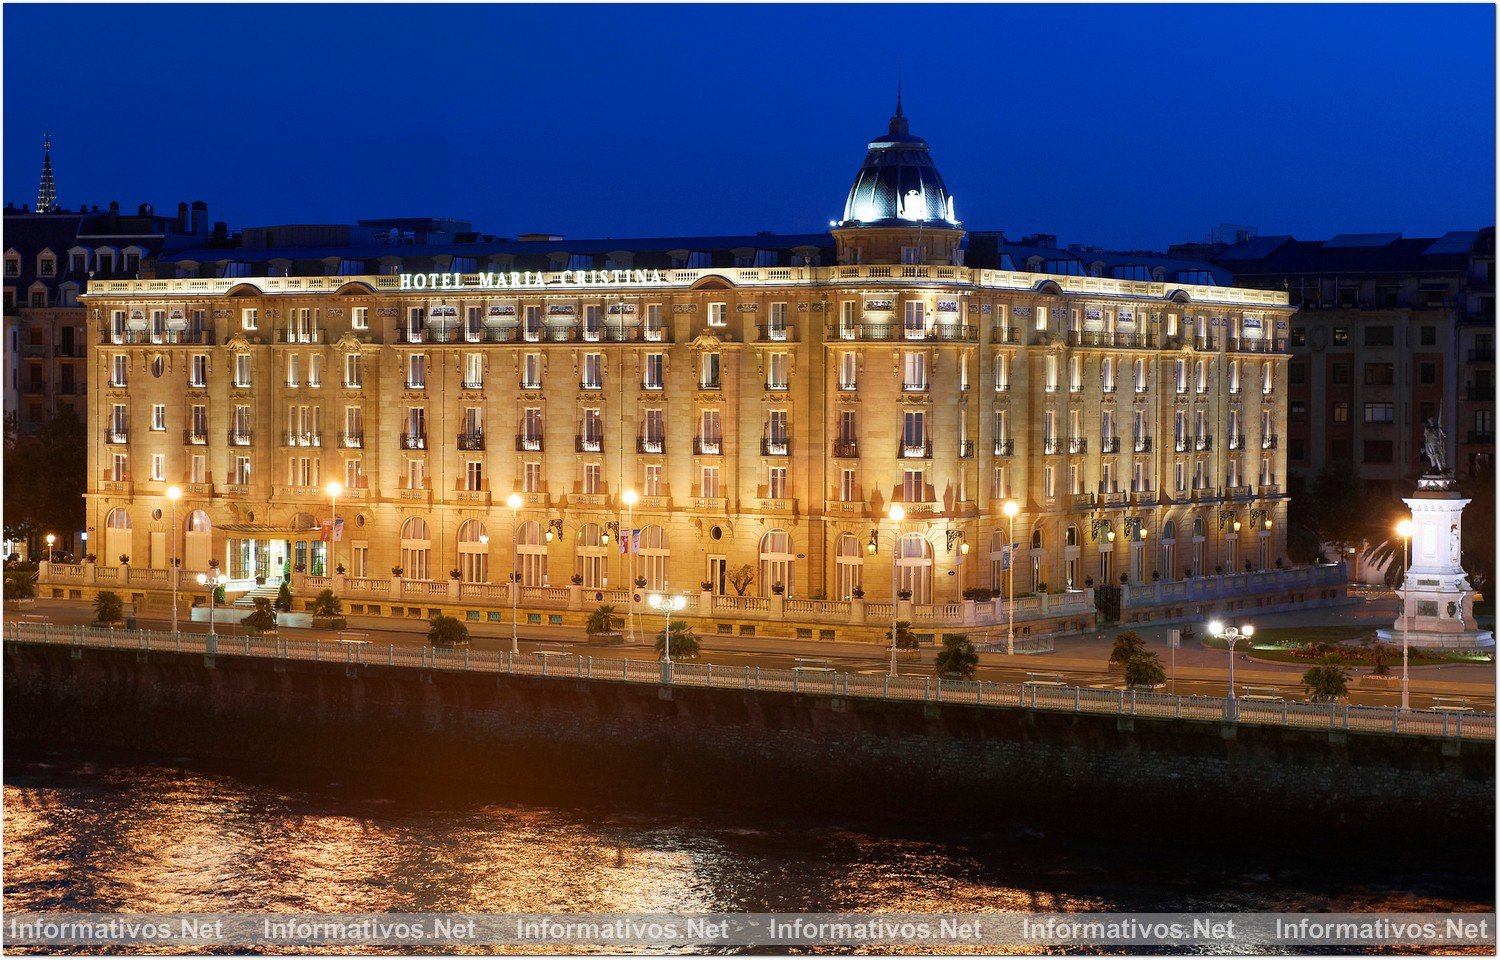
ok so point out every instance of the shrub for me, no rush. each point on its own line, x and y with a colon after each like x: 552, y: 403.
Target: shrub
x: 20, y: 585
x: 1144, y: 670
x: 905, y: 639
x: 685, y: 644
x: 262, y: 618
x: 858, y: 593
x: 957, y: 657
x: 778, y: 588
x: 741, y: 579
x: 108, y: 607
x: 1327, y: 681
x: 576, y: 580
x: 1127, y: 645
x: 124, y: 559
x: 284, y: 598
x: 979, y: 594
x: 456, y: 574
x: 903, y: 594
x: 602, y: 621
x: 397, y: 570
x: 447, y: 632
x: 325, y: 604
x: 1155, y: 575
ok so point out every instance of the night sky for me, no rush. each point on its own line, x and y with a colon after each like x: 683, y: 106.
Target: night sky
x: 1123, y: 126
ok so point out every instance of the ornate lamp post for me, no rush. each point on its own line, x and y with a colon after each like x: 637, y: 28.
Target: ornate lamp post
x: 668, y: 605
x: 897, y: 513
x: 333, y: 489
x: 630, y: 498
x: 213, y: 580
x: 1010, y: 510
x: 1404, y: 530
x: 514, y: 501
x: 484, y: 541
x: 174, y: 494
x: 51, y: 539
x: 1231, y: 636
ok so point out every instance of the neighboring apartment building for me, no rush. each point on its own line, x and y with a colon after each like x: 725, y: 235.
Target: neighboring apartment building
x: 765, y: 399
x: 1389, y: 332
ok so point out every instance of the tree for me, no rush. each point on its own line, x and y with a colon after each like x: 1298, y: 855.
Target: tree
x: 20, y: 584
x: 284, y: 598
x: 742, y: 578
x: 262, y: 618
x: 602, y: 621
x: 685, y: 644
x: 958, y: 656
x: 108, y: 607
x: 447, y: 632
x: 325, y: 604
x: 1327, y: 681
x: 1143, y: 669
x: 45, y: 476
x: 905, y: 639
x: 1127, y: 645
x: 1380, y: 659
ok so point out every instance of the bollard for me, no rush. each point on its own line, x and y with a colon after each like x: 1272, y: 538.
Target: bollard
x: 466, y: 658
x: 794, y: 681
x: 710, y: 675
x: 317, y: 649
x: 1395, y: 720
x: 757, y: 678
x: 926, y: 687
x: 390, y: 655
x: 1460, y: 732
x: 885, y: 688
x: 747, y: 678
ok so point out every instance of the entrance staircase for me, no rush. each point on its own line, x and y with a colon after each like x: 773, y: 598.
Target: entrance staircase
x: 247, y: 600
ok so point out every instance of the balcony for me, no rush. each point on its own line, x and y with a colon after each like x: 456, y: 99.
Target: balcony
x: 413, y: 441
x: 314, y: 335
x: 1081, y: 501
x: 418, y: 384
x: 239, y: 438
x: 1006, y: 448
x: 919, y: 449
x: 711, y: 383
x: 846, y: 448
x: 1108, y: 388
x: 1142, y: 493
x: 593, y: 384
x: 960, y: 332
x: 1203, y: 443
x: 1051, y: 388
x: 1051, y: 445
x: 1236, y: 441
x: 136, y: 337
x: 116, y: 435
x: 1109, y: 445
x: 531, y: 384
x: 307, y: 439
x: 34, y: 349
x: 1112, y: 496
x: 529, y: 442
x: 776, y: 333
x: 587, y: 444
x: 1270, y: 442
x: 37, y: 387
x: 195, y: 438
x: 471, y: 440
x: 1204, y: 344
x: 650, y: 444
x: 1479, y: 392
x: 1481, y: 436
x: 352, y: 441
x: 1142, y: 444
x: 1269, y: 490
x: 776, y: 385
x: 708, y: 446
x: 472, y: 384
x: 999, y: 334
x: 917, y: 387
x: 775, y: 446
x: 965, y: 449
x: 1257, y: 345
x: 652, y: 385
x: 1237, y: 492
x: 1482, y: 355
x: 1078, y: 444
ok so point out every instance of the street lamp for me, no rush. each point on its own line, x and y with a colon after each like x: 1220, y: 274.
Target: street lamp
x: 51, y: 539
x: 333, y: 489
x: 897, y: 513
x: 484, y: 541
x: 514, y: 501
x: 668, y: 605
x: 630, y: 498
x: 213, y: 580
x: 174, y: 494
x: 963, y: 551
x: 1404, y: 530
x: 1231, y: 636
x: 1010, y: 509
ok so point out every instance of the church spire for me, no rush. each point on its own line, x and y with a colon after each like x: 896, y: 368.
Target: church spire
x: 46, y: 197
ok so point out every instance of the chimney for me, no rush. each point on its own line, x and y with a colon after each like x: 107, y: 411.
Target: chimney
x: 182, y: 218
x: 200, y: 218
x: 221, y: 230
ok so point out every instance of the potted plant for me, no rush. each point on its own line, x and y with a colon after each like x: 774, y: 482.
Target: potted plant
x: 1041, y: 587
x: 576, y: 580
x: 300, y: 568
x: 124, y: 559
x: 640, y: 583
x: 903, y: 594
x: 397, y: 570
x: 108, y: 607
x: 456, y: 574
x: 339, y: 569
x: 284, y: 598
x: 260, y: 579
x: 603, y: 626
x: 1124, y: 578
x: 1219, y: 569
x: 706, y: 585
x: 1249, y: 566
x: 1155, y: 575
x: 858, y: 593
x: 91, y: 558
x: 1187, y: 574
x: 262, y: 618
x: 1280, y: 564
x: 1088, y: 581
x: 328, y: 611
x: 778, y: 588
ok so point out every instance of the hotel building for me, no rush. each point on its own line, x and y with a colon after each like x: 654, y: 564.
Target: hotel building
x: 753, y: 404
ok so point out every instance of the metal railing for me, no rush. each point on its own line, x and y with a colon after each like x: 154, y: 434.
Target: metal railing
x: 1050, y: 696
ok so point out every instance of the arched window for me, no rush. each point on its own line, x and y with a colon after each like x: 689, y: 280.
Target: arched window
x: 654, y: 558
x: 914, y: 567
x: 592, y: 556
x: 118, y: 519
x: 532, y: 550
x: 473, y: 552
x: 849, y: 564
x: 997, y: 561
x: 198, y: 541
x: 1169, y: 550
x: 118, y: 537
x: 776, y: 561
x: 1036, y: 539
x: 416, y: 549
x: 1200, y: 535
x: 1071, y: 535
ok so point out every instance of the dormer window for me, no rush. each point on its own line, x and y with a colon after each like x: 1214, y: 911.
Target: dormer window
x: 12, y: 265
x: 46, y: 266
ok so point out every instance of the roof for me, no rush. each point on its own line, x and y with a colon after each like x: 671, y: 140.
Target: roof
x: 1350, y: 255
x: 31, y: 233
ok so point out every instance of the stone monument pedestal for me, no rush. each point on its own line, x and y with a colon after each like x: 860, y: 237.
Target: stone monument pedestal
x: 1437, y: 601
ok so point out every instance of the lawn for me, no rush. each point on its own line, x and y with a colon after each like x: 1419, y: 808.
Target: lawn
x: 1283, y: 636
x: 1353, y: 657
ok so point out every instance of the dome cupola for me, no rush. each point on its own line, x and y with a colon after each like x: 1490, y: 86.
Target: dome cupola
x: 898, y: 185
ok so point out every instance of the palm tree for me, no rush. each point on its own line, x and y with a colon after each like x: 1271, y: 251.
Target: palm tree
x: 1127, y: 645
x: 447, y: 632
x: 602, y: 622
x: 905, y: 639
x: 262, y: 618
x: 684, y: 643
x: 1328, y: 681
x: 958, y: 656
x: 1144, y: 670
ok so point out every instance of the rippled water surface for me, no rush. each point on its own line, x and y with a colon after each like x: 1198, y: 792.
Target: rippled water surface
x: 105, y: 831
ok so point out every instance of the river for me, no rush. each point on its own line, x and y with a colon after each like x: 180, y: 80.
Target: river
x: 95, y: 830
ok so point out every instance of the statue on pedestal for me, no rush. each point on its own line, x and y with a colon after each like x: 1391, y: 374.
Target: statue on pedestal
x: 1435, y: 445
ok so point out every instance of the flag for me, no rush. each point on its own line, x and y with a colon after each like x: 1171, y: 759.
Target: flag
x: 333, y: 530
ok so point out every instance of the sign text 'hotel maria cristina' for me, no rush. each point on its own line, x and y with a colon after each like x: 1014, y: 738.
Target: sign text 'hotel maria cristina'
x: 530, y: 279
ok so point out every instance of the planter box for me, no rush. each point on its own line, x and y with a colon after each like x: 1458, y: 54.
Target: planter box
x: 327, y: 623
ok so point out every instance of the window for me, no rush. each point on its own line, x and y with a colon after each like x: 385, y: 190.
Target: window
x: 360, y: 318
x: 242, y: 369
x: 46, y: 267
x: 1340, y: 412
x: 121, y: 366
x: 1296, y: 373
x: 776, y: 483
x: 914, y: 370
x: 249, y: 318
x: 1381, y: 336
x: 848, y: 370
x: 315, y: 370
x: 655, y: 322
x: 531, y: 477
x: 915, y: 321
x: 1299, y: 336
x: 593, y: 371
x: 718, y: 314
x: 1429, y: 336
x: 197, y: 468
x: 240, y: 473
x: 416, y: 371
x: 1427, y: 373
x: 710, y: 482
x: 1340, y: 336
x: 776, y: 372
x: 1379, y: 374
x: 913, y: 486
x: 709, y: 372
x: 1002, y: 373
x: 1297, y: 410
x: 593, y: 478
x: 1339, y: 373
x: 1380, y: 412
x: 652, y: 484
x: 1378, y: 451
x: 12, y: 266
x: 848, y: 487
x: 777, y: 329
x: 531, y: 371
x: 653, y: 372
x: 293, y: 370
x: 1179, y: 375
x: 158, y: 416
x: 997, y: 483
x: 198, y: 370
x: 353, y: 371
x: 158, y: 466
x: 354, y: 473
x: 593, y: 322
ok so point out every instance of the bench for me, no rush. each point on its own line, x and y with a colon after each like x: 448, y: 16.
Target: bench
x: 1044, y: 680
x: 1262, y: 693
x: 1452, y: 704
x: 819, y: 664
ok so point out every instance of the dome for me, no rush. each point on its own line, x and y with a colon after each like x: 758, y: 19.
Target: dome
x: 898, y: 183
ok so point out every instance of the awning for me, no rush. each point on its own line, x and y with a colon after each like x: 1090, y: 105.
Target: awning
x: 268, y: 531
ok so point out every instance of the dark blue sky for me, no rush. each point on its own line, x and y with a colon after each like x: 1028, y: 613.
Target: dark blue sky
x: 1119, y: 125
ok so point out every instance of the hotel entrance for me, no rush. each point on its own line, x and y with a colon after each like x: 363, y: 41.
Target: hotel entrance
x: 274, y: 551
